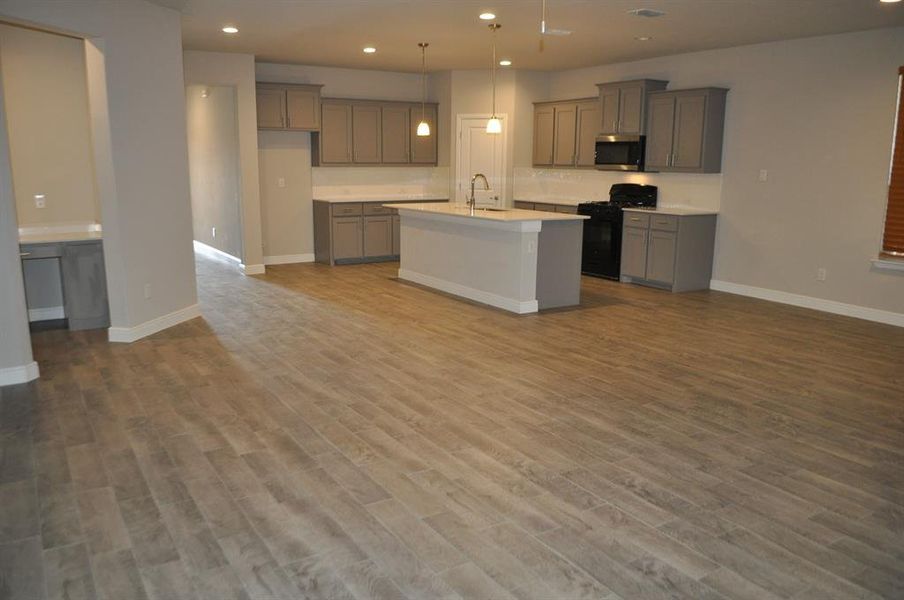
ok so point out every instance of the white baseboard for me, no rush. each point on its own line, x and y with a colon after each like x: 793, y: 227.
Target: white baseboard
x: 456, y: 289
x: 128, y: 335
x: 202, y: 248
x: 17, y: 375
x: 287, y: 259
x: 253, y: 269
x: 829, y: 306
x: 46, y: 314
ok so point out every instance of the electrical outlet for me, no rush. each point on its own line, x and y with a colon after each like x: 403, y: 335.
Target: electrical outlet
x: 40, y: 201
x: 764, y: 175
x: 147, y: 291
x: 281, y: 182
x: 821, y: 274
x: 213, y: 232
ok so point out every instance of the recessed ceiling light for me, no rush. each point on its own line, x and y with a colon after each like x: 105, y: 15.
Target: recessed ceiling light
x: 505, y: 63
x: 646, y: 12
x: 230, y: 29
x: 889, y: 1
x: 369, y: 50
x: 643, y: 38
x: 487, y: 16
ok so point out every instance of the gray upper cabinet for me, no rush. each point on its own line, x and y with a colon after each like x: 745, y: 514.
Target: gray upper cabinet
x: 423, y: 149
x: 588, y: 127
x: 373, y: 132
x: 544, y: 134
x: 685, y: 131
x: 303, y: 108
x: 288, y: 106
x: 623, y: 105
x: 336, y: 133
x: 660, y: 132
x: 366, y: 134
x: 395, y: 136
x: 565, y: 123
x: 271, y: 107
x: 565, y: 133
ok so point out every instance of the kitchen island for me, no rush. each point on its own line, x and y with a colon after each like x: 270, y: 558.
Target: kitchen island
x: 518, y: 260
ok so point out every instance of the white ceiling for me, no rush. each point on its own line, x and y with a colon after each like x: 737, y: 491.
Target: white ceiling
x: 333, y: 32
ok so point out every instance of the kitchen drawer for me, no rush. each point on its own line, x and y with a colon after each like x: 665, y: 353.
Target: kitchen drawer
x: 545, y: 207
x: 40, y: 251
x: 664, y: 222
x: 345, y: 210
x: 636, y: 219
x: 563, y: 208
x: 377, y: 209
x: 524, y: 205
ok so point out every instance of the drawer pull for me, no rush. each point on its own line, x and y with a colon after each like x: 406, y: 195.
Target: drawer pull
x: 635, y: 218
x: 24, y: 254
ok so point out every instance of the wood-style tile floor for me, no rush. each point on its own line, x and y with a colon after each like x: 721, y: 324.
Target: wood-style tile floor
x: 335, y: 433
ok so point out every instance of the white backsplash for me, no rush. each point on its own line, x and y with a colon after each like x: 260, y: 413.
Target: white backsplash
x: 380, y: 181
x: 675, y: 189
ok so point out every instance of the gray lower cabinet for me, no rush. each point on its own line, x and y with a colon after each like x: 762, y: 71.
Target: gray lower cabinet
x: 347, y: 240
x: 674, y: 252
x: 396, y: 235
x: 356, y: 232
x: 84, y: 280
x: 378, y: 236
x: 559, y: 208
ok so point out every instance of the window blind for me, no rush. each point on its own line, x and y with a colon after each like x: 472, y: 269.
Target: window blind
x: 893, y: 240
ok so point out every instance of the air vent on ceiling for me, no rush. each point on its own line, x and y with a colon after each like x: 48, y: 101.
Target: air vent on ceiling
x: 646, y: 12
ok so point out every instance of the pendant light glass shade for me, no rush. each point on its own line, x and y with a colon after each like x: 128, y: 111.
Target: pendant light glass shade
x: 423, y: 128
x: 494, y: 125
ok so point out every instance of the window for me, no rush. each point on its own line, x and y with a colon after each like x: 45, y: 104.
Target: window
x: 893, y: 240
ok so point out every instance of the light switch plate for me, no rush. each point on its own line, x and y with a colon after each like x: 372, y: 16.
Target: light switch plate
x: 764, y: 175
x: 40, y: 201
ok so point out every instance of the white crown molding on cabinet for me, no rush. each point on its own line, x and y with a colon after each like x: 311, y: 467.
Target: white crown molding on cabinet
x: 288, y: 259
x: 46, y: 314
x: 509, y: 304
x: 829, y: 306
x: 17, y: 375
x: 127, y: 335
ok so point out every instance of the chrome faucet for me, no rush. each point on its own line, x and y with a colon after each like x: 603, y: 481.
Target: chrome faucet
x: 472, y: 202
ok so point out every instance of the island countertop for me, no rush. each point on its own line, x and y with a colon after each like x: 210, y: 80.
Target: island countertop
x: 506, y: 215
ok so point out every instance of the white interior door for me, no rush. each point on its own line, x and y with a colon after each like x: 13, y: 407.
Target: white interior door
x: 480, y: 152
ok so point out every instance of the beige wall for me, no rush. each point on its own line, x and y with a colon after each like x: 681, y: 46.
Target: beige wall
x: 237, y: 70
x: 817, y: 114
x: 286, y: 212
x: 47, y: 113
x: 213, y: 156
x: 137, y: 103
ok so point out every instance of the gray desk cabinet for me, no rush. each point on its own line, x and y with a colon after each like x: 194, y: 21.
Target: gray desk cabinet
x: 83, y: 277
x: 357, y: 232
x: 673, y: 252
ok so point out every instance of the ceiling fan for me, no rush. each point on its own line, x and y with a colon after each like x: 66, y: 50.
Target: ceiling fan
x: 546, y: 30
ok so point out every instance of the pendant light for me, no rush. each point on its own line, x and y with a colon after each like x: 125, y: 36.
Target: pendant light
x: 494, y: 125
x: 423, y: 128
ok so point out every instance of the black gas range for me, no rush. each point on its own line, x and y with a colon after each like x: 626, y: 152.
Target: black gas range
x: 602, y: 231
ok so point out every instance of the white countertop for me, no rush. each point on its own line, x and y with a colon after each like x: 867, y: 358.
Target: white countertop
x: 508, y: 215
x: 679, y: 211
x: 380, y: 198
x: 60, y: 232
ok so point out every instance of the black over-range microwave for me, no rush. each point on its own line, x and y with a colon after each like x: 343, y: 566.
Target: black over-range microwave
x: 620, y: 152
